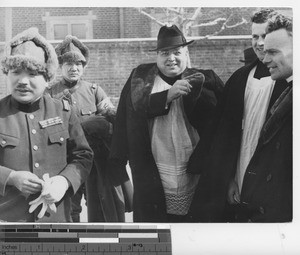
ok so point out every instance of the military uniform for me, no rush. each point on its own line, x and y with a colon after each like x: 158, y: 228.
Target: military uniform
x: 104, y: 202
x: 40, y: 138
x: 96, y: 114
x: 85, y: 97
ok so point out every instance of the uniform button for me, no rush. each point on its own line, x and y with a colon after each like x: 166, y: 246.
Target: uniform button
x: 3, y: 142
x: 61, y: 139
x: 36, y: 165
x: 74, y: 102
x: 35, y: 147
x: 262, y: 210
x: 33, y: 131
x: 269, y: 177
x: 31, y: 116
x: 90, y: 112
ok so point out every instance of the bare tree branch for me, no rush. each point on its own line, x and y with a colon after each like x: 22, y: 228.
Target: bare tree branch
x: 173, y: 10
x: 195, y: 15
x: 179, y: 16
x: 151, y: 17
x: 224, y: 26
x: 238, y: 24
x: 211, y: 23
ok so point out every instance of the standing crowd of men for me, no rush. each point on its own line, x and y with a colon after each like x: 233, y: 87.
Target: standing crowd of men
x: 198, y: 150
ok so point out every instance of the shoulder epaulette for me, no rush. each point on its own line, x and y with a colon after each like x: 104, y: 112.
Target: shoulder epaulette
x: 66, y: 105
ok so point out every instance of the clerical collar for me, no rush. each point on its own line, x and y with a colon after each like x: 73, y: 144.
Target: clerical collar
x: 261, y: 71
x: 70, y: 84
x: 169, y: 80
x: 30, y: 107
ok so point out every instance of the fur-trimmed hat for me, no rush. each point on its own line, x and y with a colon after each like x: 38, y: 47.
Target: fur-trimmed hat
x: 30, y: 50
x: 72, y: 50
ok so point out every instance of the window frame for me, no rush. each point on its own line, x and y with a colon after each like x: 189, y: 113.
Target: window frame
x: 51, y: 21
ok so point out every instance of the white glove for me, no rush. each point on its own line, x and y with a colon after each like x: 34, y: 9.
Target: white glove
x: 41, y: 200
x: 56, y: 190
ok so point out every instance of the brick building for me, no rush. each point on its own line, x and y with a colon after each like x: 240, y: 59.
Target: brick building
x: 111, y: 22
x: 120, y: 38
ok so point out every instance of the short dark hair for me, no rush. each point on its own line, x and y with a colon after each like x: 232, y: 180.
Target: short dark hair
x: 280, y: 21
x: 261, y: 16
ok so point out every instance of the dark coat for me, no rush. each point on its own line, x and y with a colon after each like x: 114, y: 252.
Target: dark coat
x: 131, y: 139
x: 25, y: 145
x: 267, y: 183
x: 267, y: 187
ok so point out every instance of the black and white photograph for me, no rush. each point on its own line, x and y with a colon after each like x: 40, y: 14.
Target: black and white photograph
x: 152, y: 115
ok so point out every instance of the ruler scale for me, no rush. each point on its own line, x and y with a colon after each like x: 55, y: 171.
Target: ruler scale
x: 78, y: 239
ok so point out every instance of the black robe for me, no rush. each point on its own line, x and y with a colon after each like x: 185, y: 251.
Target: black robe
x: 131, y: 139
x: 267, y: 185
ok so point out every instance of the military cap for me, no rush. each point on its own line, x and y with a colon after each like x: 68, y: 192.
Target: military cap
x: 30, y: 50
x: 71, y: 49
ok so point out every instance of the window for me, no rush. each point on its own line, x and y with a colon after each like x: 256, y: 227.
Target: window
x: 59, y: 26
x: 60, y: 31
x: 78, y: 30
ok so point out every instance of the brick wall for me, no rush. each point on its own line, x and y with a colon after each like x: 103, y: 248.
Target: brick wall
x: 23, y: 18
x: 111, y: 62
x: 111, y: 21
x: 136, y: 25
x: 2, y: 24
x: 3, y: 86
x: 107, y: 25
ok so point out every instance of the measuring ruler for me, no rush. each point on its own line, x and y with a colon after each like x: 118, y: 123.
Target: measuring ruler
x: 85, y: 239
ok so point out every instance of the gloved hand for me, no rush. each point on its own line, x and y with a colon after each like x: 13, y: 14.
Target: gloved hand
x: 56, y: 190
x: 41, y: 200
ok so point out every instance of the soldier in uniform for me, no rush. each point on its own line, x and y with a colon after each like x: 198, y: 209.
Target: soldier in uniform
x: 96, y: 113
x: 44, y: 155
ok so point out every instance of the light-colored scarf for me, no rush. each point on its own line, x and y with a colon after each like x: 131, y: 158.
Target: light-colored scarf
x: 173, y: 141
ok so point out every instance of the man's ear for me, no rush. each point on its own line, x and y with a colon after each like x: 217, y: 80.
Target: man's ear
x: 187, y: 51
